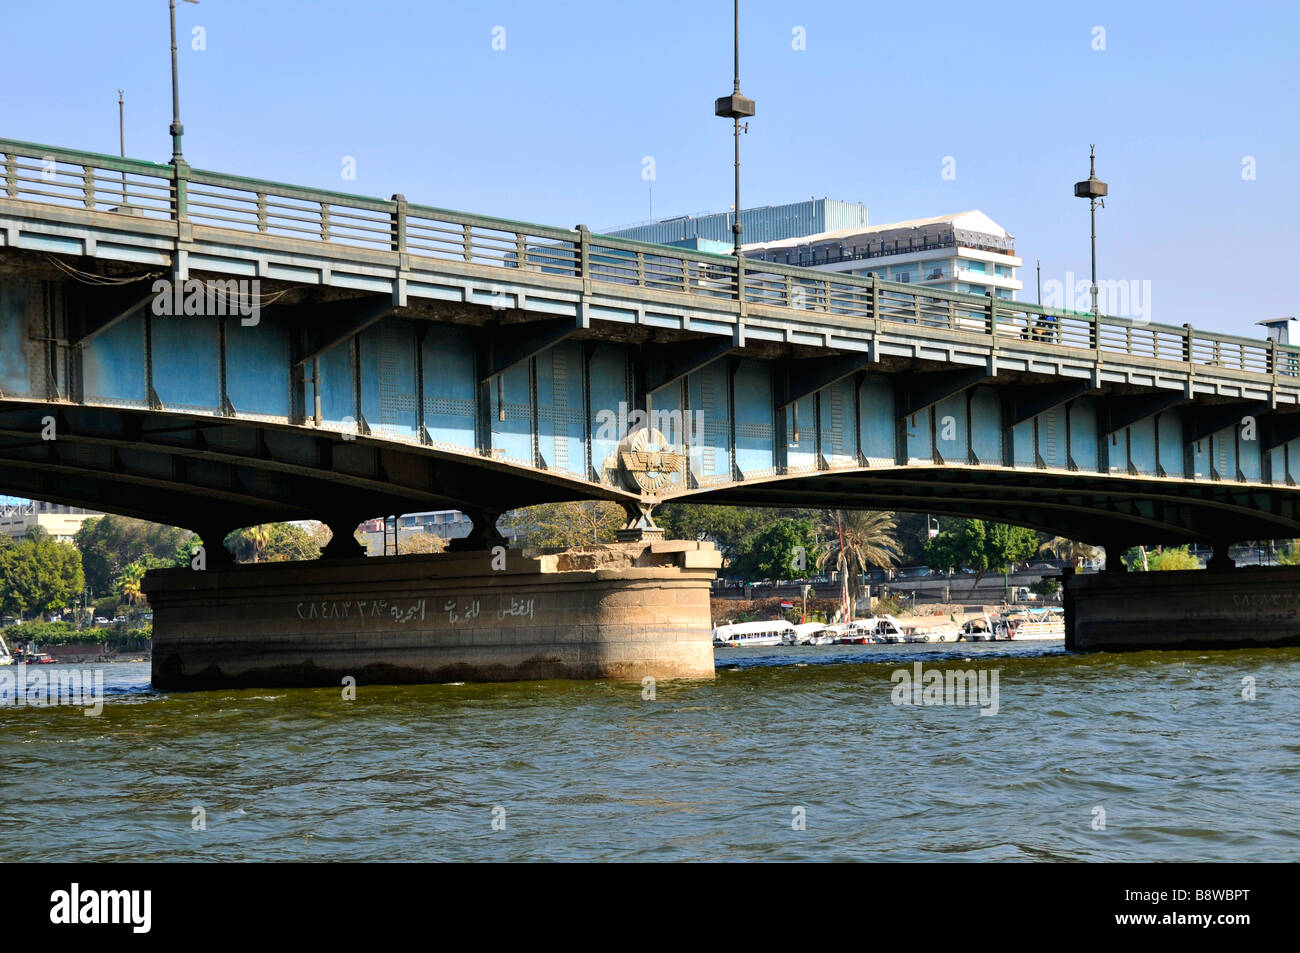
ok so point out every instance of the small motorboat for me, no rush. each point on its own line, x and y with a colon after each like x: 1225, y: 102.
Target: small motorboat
x: 977, y: 630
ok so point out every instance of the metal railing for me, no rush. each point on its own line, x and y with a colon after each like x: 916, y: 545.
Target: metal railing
x: 88, y: 181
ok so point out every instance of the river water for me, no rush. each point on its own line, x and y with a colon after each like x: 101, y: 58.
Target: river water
x: 791, y: 754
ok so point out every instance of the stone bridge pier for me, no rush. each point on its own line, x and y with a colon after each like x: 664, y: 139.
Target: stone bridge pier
x: 622, y: 611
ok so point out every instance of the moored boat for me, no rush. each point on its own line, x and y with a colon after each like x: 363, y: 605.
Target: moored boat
x: 738, y: 634
x: 809, y: 633
x: 979, y: 629
x: 1036, y: 625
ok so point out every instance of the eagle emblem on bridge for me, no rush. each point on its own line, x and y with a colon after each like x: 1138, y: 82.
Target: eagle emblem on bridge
x: 647, y: 461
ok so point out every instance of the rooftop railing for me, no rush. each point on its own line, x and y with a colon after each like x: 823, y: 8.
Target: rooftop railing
x: 158, y: 191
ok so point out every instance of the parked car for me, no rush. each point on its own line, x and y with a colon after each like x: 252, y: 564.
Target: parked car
x: 100, y: 620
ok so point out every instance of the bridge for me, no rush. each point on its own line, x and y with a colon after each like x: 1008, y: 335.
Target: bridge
x: 214, y: 351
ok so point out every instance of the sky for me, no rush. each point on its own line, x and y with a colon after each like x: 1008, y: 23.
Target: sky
x: 546, y: 112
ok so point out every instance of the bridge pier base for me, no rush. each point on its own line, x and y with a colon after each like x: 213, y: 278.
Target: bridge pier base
x: 622, y: 611
x: 1185, y: 609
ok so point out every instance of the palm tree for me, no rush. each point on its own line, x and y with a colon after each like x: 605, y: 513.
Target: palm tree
x: 868, y: 540
x: 260, y: 536
x: 1070, y: 550
x: 132, y: 577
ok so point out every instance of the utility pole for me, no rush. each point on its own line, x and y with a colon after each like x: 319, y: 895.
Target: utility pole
x: 1094, y: 190
x: 736, y: 107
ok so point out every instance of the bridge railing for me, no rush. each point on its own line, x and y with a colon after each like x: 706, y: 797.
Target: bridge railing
x: 85, y: 180
x: 42, y: 174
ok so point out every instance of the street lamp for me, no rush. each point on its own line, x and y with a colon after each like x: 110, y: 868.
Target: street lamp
x: 177, y: 130
x: 735, y: 107
x: 1092, y: 189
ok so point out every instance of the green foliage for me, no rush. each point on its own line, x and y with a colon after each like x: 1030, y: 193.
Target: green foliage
x: 981, y: 546
x: 729, y: 528
x: 1289, y: 555
x: 910, y: 537
x: 771, y: 553
x: 1070, y: 550
x: 39, y: 575
x: 1170, y: 559
x: 1047, y: 586
x: 564, y: 525
x: 271, y: 543
x: 896, y: 603
x: 868, y: 540
x: 109, y: 544
x: 65, y: 633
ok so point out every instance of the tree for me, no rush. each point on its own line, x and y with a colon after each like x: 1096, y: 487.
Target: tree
x: 1289, y: 555
x: 39, y: 575
x: 773, y: 552
x: 869, y: 539
x: 273, y: 543
x: 131, y: 579
x: 564, y: 525
x: 419, y: 541
x: 1169, y: 559
x: 1070, y: 550
x: 975, y: 544
x: 109, y: 544
x: 729, y: 528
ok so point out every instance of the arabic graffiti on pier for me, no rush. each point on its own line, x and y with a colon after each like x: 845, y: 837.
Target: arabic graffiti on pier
x: 360, y: 609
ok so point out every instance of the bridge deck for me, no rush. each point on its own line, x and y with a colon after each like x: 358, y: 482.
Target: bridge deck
x: 413, y: 356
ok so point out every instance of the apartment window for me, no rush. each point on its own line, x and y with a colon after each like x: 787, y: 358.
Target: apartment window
x: 935, y: 271
x: 974, y: 289
x: 905, y: 273
x: 976, y: 266
x: 1004, y: 294
x: 1002, y: 271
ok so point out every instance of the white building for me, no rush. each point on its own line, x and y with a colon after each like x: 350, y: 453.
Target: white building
x: 966, y: 252
x: 61, y: 522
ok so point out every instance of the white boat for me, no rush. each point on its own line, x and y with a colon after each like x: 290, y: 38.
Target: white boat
x: 809, y: 633
x: 1038, y: 625
x: 851, y: 633
x: 737, y: 634
x: 886, y: 628
x: 979, y: 629
x: 6, y: 657
x: 946, y: 632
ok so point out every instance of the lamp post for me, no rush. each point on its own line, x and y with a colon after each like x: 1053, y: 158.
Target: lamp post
x: 735, y: 107
x: 121, y: 137
x: 177, y: 130
x: 1094, y: 190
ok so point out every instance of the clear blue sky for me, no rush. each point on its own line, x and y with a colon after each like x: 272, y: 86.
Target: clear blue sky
x: 553, y: 128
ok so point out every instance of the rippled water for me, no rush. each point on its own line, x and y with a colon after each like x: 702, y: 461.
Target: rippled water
x: 1183, y: 766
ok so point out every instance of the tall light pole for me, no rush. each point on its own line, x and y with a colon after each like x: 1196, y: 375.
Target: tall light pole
x: 177, y: 130
x: 121, y: 138
x: 1094, y: 190
x: 735, y: 107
